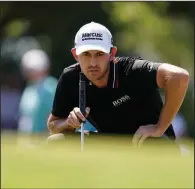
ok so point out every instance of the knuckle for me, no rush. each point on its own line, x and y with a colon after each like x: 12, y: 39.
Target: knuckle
x: 76, y: 109
x: 69, y: 116
x: 77, y: 113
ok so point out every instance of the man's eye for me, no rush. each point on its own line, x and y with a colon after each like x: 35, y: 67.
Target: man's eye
x: 86, y: 54
x: 100, y: 54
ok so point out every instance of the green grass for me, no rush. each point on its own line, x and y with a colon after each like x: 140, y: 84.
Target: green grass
x: 107, y: 162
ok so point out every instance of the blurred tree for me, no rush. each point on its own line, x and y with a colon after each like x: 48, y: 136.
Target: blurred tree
x: 182, y: 8
x: 151, y: 32
x: 53, y: 24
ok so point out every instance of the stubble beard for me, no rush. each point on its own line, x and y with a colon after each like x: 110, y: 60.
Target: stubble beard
x: 102, y: 76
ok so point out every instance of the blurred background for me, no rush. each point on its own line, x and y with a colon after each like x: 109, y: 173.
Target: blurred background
x: 36, y: 40
x: 157, y: 31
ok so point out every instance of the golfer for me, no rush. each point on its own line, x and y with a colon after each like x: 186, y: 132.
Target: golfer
x: 122, y: 92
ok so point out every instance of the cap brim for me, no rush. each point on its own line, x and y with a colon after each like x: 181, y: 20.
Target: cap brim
x: 84, y: 48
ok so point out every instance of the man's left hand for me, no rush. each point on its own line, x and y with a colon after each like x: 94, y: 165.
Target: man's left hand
x: 144, y: 132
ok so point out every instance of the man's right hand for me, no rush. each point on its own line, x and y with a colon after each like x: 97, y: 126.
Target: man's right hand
x: 69, y: 124
x: 76, y: 117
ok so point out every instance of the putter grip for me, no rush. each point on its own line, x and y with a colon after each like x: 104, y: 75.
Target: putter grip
x: 82, y: 93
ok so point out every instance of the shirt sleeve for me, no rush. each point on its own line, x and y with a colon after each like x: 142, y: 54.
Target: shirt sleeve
x: 63, y: 98
x: 146, y: 73
x: 142, y: 73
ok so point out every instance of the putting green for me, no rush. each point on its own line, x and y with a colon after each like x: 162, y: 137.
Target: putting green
x: 107, y: 162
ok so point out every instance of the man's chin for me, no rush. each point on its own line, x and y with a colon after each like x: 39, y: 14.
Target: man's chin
x: 94, y: 77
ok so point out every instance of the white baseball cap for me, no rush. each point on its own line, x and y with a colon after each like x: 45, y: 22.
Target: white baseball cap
x: 93, y: 36
x: 35, y: 60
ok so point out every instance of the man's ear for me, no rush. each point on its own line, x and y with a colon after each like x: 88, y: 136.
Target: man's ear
x: 73, y: 50
x: 113, y: 53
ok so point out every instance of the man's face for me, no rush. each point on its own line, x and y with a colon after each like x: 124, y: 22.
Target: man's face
x: 94, y: 64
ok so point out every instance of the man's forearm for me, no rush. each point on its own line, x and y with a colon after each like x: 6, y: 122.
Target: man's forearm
x: 59, y: 126
x: 175, y: 90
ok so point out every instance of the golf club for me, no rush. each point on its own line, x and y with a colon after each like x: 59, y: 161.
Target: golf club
x: 82, y: 104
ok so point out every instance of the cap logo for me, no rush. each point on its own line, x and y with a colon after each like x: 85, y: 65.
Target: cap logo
x: 92, y: 36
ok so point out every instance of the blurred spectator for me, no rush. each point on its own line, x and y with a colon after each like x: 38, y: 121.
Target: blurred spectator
x: 9, y: 108
x: 11, y: 86
x: 179, y: 126
x: 36, y: 101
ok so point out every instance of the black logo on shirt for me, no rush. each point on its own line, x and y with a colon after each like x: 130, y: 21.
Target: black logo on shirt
x: 92, y: 36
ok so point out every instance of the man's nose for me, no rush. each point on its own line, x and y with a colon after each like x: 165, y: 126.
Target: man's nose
x: 93, y: 61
